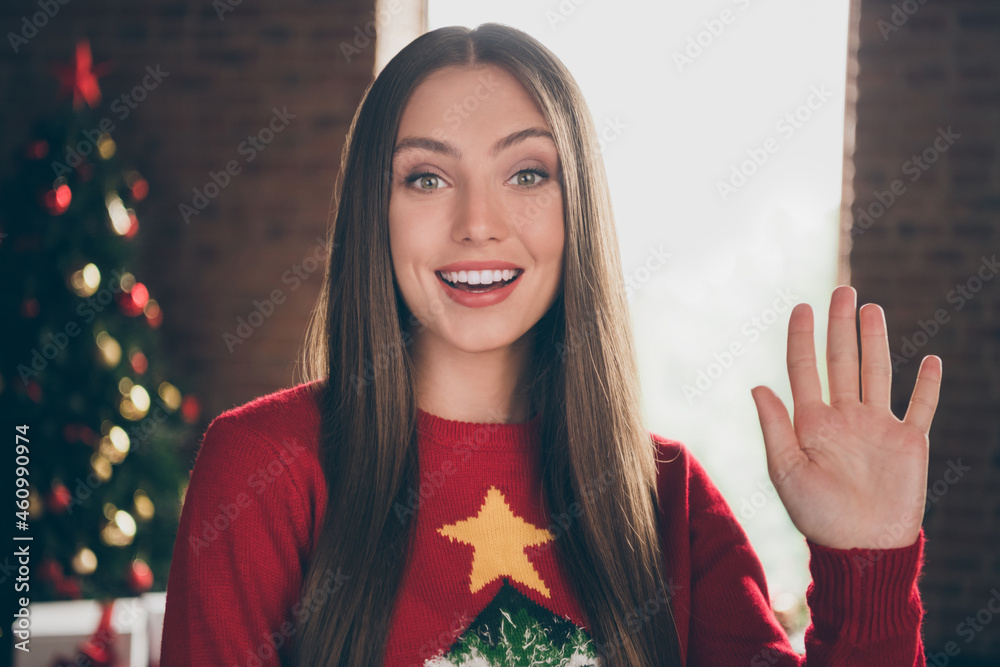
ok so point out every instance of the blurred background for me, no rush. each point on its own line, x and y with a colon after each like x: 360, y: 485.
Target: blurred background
x: 168, y: 168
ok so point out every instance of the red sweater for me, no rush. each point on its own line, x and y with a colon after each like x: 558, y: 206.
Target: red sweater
x: 482, y: 579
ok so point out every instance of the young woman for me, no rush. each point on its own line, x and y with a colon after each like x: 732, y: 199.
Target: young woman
x: 467, y: 478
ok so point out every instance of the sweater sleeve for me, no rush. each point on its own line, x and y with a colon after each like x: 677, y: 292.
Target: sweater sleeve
x: 242, y: 545
x: 865, y: 606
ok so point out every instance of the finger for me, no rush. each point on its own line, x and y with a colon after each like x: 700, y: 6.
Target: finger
x: 924, y: 400
x: 876, y: 369
x: 842, y: 346
x: 780, y: 443
x: 802, y: 372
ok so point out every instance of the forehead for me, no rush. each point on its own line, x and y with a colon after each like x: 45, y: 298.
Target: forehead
x: 460, y: 101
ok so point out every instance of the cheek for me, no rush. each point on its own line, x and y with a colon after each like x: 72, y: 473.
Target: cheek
x: 402, y: 223
x: 536, y: 214
x: 410, y: 251
x: 544, y: 230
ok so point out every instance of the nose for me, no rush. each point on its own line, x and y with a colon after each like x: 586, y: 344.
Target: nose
x: 479, y: 217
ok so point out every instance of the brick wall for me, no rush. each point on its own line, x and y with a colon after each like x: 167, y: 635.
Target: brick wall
x: 225, y: 73
x: 922, y: 190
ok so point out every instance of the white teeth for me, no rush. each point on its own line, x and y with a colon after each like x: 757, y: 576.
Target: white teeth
x: 487, y: 277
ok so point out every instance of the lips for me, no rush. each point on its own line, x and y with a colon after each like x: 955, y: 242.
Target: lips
x: 480, y: 296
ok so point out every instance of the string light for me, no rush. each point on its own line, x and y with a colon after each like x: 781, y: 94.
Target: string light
x: 170, y: 394
x: 101, y: 466
x: 143, y: 505
x: 153, y: 313
x: 111, y: 350
x: 106, y: 146
x: 86, y: 280
x: 120, y: 220
x: 84, y: 562
x: 125, y: 522
x: 114, y: 446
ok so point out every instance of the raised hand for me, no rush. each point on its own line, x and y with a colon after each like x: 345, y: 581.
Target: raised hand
x: 850, y: 474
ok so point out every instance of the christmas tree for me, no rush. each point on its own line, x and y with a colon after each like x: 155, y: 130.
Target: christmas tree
x: 513, y: 630
x: 99, y: 426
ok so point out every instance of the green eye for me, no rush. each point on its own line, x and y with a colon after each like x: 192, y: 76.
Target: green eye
x: 428, y: 181
x: 529, y: 178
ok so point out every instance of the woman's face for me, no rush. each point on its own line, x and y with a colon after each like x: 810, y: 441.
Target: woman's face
x: 475, y: 186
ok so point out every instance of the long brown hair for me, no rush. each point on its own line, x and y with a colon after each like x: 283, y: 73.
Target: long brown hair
x: 584, y: 383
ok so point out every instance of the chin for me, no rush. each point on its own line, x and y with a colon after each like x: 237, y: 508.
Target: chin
x: 472, y: 343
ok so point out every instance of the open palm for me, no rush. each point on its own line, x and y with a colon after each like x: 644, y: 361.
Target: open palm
x: 850, y: 474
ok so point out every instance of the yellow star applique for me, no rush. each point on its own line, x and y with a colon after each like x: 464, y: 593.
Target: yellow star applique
x: 499, y: 538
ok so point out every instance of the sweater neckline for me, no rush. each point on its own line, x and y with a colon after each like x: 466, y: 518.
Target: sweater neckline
x: 519, y: 437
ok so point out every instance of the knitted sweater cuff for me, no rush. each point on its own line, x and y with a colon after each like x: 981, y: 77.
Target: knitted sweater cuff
x: 865, y: 595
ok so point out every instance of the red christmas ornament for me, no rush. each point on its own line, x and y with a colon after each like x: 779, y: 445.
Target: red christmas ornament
x: 86, y: 170
x: 140, y: 295
x: 139, y: 188
x: 79, y: 77
x: 139, y: 577
x: 69, y: 588
x: 59, y: 498
x: 127, y: 304
x: 78, y: 432
x: 57, y: 199
x: 29, y: 308
x: 133, y: 226
x: 50, y: 570
x: 87, y: 435
x: 139, y: 362
x: 190, y: 409
x: 36, y: 150
x: 154, y: 314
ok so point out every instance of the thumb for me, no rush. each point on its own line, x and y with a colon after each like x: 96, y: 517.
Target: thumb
x: 780, y: 443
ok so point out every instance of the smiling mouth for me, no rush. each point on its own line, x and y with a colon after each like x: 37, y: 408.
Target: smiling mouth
x: 479, y: 287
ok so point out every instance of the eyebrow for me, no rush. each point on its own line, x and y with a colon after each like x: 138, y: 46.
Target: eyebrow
x: 449, y: 149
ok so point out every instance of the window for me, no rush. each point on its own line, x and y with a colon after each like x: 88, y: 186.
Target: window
x: 722, y: 129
